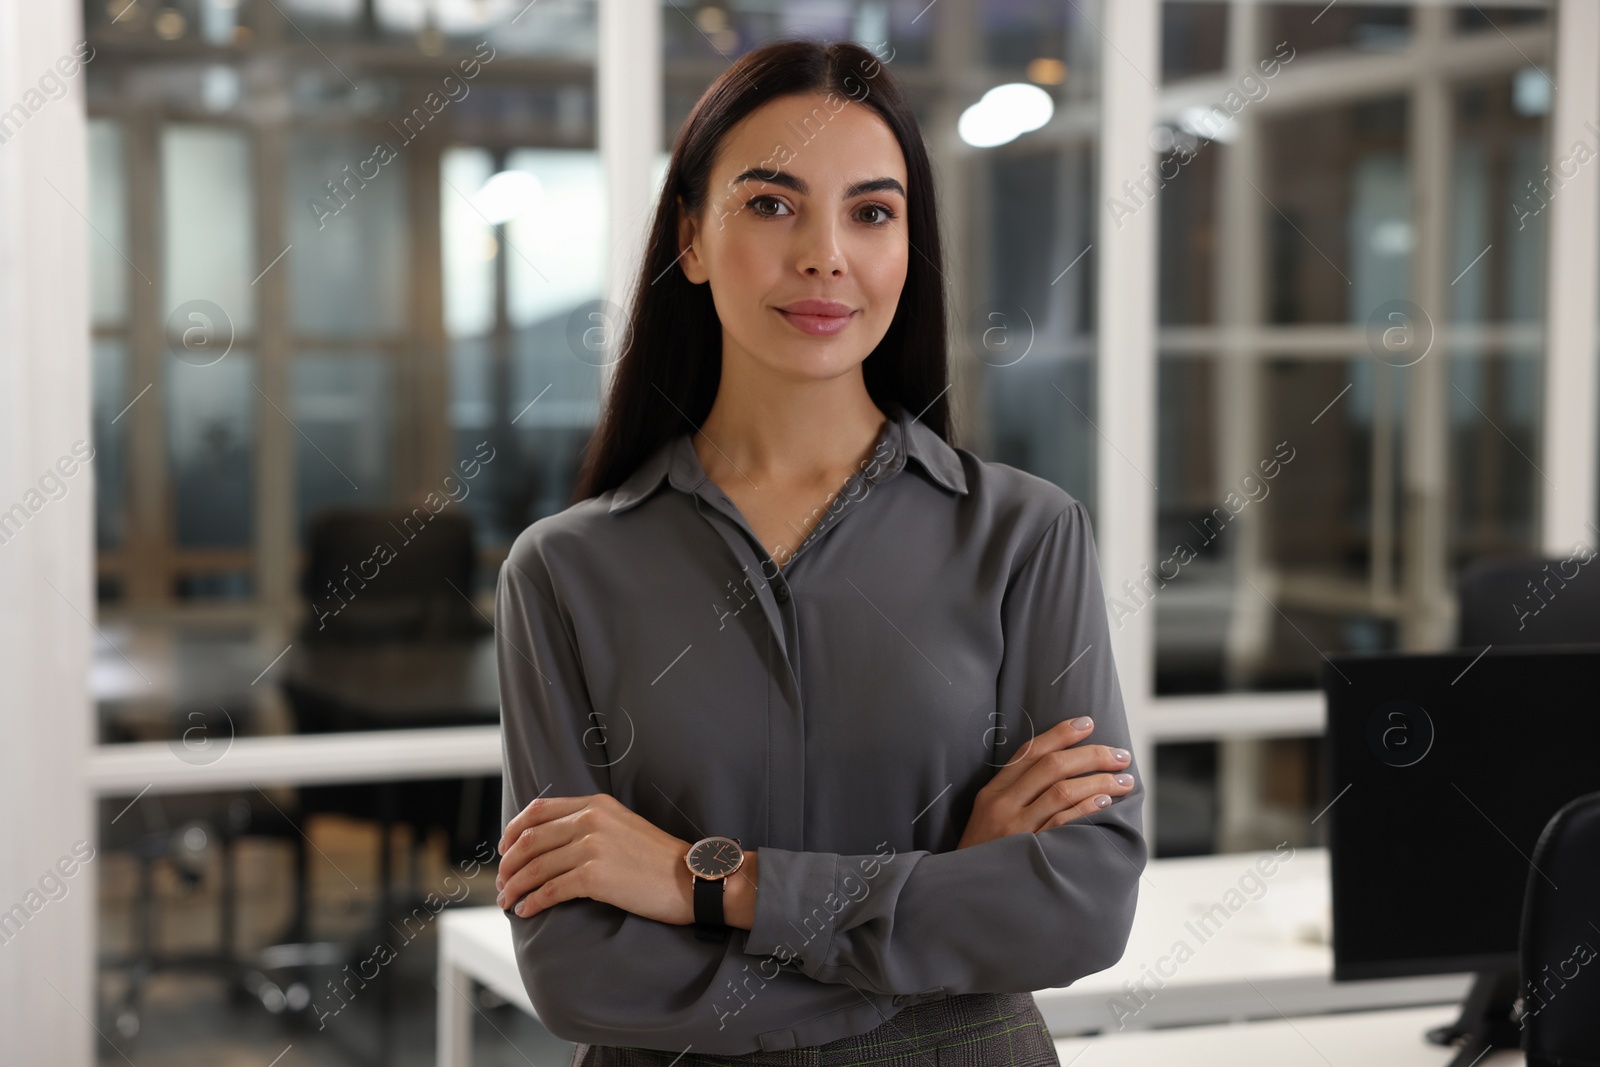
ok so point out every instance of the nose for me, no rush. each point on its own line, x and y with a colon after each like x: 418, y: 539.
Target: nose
x: 820, y: 252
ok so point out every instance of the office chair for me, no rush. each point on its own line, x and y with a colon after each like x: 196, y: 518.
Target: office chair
x: 398, y: 578
x: 384, y: 580
x: 1560, y: 941
x: 184, y: 831
x: 389, y: 574
x: 1529, y: 602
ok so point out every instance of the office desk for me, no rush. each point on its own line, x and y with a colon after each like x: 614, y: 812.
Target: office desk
x: 1272, y: 955
x: 1266, y: 959
x: 474, y: 946
x: 393, y: 686
x: 160, y: 681
x: 401, y: 685
x: 1357, y: 1039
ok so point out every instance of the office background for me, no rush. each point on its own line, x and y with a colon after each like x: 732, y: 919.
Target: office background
x: 1180, y: 271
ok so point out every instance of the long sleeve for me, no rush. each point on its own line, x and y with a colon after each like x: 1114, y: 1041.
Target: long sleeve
x: 594, y: 972
x: 1020, y: 913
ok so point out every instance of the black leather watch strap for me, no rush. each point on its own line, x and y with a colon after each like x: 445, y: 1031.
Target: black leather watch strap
x: 709, y: 921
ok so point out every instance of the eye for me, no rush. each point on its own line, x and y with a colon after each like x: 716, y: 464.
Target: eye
x: 884, y: 210
x: 755, y: 202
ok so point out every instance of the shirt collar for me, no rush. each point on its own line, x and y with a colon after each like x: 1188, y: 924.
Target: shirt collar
x: 675, y: 460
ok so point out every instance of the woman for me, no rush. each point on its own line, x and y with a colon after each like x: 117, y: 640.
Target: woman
x: 849, y: 812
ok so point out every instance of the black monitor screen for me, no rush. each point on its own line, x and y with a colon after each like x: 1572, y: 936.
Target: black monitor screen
x: 1443, y: 770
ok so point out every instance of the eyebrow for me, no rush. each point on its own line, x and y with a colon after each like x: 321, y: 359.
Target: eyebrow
x: 798, y: 184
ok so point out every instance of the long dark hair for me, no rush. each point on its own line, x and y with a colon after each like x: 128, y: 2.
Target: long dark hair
x: 671, y: 359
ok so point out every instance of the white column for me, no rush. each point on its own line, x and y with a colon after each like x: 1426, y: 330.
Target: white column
x: 1426, y: 620
x: 1573, y: 280
x: 1125, y: 472
x: 628, y: 72
x: 47, y: 933
x: 1240, y: 297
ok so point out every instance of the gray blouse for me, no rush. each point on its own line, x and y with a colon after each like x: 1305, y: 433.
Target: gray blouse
x: 839, y: 716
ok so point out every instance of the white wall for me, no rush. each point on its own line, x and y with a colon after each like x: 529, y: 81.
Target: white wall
x: 46, y: 993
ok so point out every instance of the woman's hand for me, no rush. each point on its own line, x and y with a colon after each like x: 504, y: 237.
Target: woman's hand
x: 1048, y: 784
x: 558, y: 848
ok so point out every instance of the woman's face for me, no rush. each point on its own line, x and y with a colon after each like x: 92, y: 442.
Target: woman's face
x: 803, y: 235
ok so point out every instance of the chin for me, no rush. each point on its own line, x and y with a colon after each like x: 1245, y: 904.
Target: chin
x: 817, y: 359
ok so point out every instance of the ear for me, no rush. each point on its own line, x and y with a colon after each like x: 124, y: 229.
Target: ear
x: 688, y: 234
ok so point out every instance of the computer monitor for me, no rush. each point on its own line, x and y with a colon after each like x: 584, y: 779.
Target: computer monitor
x: 1443, y: 770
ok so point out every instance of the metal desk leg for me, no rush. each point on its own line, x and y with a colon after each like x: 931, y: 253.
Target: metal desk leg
x: 455, y: 1013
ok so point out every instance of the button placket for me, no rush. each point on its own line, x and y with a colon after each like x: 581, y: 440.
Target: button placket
x: 783, y: 708
x: 742, y: 543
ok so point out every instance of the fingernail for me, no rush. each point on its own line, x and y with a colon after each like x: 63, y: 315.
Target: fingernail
x: 1082, y: 722
x: 500, y: 901
x: 1122, y: 779
x: 1120, y: 755
x: 1101, y: 801
x: 499, y: 883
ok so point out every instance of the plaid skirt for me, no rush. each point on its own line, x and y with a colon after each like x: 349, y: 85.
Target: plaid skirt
x: 967, y: 1030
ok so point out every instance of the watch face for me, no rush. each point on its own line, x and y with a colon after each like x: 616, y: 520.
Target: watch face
x: 715, y: 857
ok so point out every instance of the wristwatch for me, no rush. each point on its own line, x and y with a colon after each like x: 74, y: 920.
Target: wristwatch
x: 711, y: 860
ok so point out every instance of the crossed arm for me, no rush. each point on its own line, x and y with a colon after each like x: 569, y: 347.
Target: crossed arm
x: 602, y: 928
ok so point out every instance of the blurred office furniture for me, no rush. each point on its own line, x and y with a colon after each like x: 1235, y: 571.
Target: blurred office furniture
x: 402, y: 686
x: 474, y: 948
x: 1560, y: 941
x: 1529, y: 602
x: 1255, y: 925
x: 390, y: 574
x: 186, y: 831
x: 1390, y: 1038
x: 392, y: 641
x: 194, y: 694
x: 1450, y: 765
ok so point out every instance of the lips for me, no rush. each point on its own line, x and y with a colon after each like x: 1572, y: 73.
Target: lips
x: 817, y: 317
x: 820, y: 308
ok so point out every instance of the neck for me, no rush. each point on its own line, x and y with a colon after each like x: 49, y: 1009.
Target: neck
x: 798, y: 435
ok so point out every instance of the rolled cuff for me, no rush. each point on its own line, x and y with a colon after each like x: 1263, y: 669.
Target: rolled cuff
x: 797, y: 900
